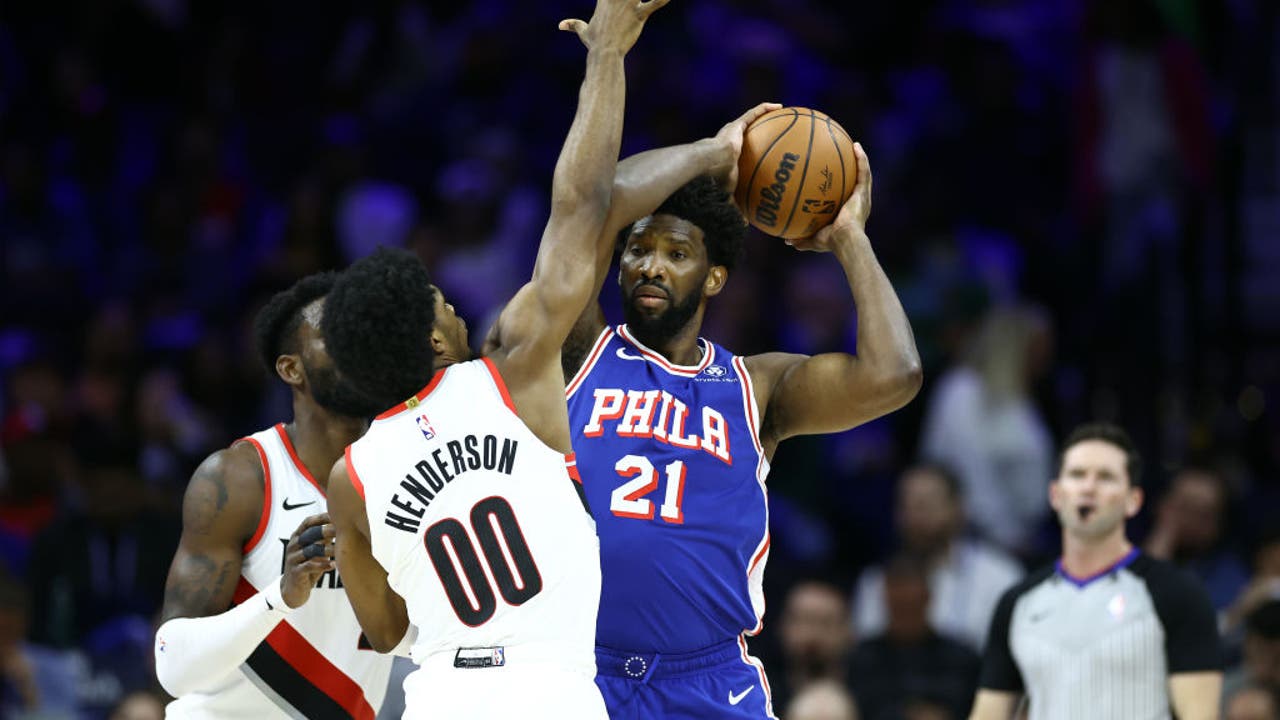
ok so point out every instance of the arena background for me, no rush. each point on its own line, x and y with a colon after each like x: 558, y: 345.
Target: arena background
x: 1109, y: 170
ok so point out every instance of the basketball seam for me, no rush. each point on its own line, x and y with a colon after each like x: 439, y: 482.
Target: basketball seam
x: 751, y: 182
x: 808, y: 155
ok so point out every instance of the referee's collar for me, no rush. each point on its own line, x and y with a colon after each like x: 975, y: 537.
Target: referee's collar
x: 1129, y: 557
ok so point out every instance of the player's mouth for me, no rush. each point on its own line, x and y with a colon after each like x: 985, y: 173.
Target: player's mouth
x: 649, y: 297
x: 1085, y: 511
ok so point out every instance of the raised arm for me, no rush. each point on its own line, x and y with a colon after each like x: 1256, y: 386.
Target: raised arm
x: 643, y: 181
x: 533, y: 326
x: 202, y: 638
x: 803, y: 395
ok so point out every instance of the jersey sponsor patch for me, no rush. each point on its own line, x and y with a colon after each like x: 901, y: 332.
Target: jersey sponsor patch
x: 484, y: 657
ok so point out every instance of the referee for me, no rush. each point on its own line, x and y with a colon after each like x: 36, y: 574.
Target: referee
x: 1106, y: 632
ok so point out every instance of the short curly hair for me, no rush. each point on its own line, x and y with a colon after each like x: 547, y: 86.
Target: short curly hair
x: 704, y: 203
x: 275, y: 327
x: 377, y: 325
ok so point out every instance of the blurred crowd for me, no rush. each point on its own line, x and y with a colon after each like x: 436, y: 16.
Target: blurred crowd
x: 1078, y: 202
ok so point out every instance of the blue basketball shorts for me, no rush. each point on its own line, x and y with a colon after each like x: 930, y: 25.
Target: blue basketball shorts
x: 721, y: 681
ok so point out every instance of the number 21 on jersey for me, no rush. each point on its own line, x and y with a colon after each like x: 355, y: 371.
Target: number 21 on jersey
x: 628, y: 499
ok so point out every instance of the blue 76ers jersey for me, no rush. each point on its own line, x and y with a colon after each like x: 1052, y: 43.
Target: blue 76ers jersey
x: 671, y: 462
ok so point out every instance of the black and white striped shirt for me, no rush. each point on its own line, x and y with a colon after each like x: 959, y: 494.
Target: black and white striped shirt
x: 1103, y: 646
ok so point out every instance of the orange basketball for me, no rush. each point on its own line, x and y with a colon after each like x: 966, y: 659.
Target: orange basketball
x: 796, y: 171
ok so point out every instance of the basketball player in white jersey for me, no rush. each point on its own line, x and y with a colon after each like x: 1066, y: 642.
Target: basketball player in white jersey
x: 255, y: 622
x: 458, y: 511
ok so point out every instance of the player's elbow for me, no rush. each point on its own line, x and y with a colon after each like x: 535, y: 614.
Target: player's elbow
x: 177, y: 677
x: 899, y: 383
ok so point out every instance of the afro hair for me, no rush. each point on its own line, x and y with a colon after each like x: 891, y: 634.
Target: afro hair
x: 377, y: 325
x: 704, y: 203
x: 275, y: 328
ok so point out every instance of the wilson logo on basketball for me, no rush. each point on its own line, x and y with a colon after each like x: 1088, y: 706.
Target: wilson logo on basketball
x: 771, y: 195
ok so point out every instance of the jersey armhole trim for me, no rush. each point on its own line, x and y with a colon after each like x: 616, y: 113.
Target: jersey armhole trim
x: 266, y: 497
x: 352, y: 474
x: 749, y: 403
x: 592, y: 358
x: 502, y: 386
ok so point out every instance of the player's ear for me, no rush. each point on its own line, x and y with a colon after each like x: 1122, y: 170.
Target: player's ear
x: 289, y: 368
x: 1053, y: 493
x: 716, y: 278
x: 438, y: 344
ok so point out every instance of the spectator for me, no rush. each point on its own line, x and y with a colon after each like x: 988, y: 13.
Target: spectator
x: 1188, y: 532
x: 911, y: 667
x: 981, y: 421
x: 1261, y: 664
x: 967, y: 576
x: 815, y: 638
x: 823, y: 700
x: 1253, y: 702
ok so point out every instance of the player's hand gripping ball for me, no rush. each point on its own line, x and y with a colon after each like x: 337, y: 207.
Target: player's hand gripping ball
x: 796, y: 170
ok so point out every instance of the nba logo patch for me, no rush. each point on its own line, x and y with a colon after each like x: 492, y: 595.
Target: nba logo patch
x: 424, y: 425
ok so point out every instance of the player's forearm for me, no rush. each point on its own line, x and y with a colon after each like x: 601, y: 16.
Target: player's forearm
x: 886, y: 344
x: 584, y: 173
x: 196, y: 654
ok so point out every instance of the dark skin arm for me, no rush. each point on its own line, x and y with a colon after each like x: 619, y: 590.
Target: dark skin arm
x: 381, y: 612
x: 831, y: 392
x: 643, y: 181
x: 220, y: 512
x: 528, y: 335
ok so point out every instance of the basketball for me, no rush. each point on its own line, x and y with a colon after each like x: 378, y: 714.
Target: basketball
x: 796, y: 170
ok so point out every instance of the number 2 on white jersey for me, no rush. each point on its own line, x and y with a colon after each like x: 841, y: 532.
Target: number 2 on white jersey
x: 628, y: 499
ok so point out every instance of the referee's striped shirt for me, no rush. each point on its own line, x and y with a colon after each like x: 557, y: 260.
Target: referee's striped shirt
x: 1103, y: 646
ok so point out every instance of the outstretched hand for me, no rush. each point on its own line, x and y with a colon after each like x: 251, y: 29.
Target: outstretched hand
x: 852, y: 217
x: 615, y: 24
x: 732, y: 134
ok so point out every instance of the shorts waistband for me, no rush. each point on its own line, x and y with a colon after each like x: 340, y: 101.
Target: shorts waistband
x: 645, y: 666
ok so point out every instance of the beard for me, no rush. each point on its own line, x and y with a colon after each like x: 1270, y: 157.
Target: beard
x: 654, y: 330
x: 333, y: 393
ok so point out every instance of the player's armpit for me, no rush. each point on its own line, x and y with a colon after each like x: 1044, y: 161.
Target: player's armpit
x: 380, y: 611
x: 1196, y: 695
x: 220, y: 511
x: 993, y: 705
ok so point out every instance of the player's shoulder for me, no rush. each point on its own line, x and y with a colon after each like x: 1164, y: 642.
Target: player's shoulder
x: 238, y: 463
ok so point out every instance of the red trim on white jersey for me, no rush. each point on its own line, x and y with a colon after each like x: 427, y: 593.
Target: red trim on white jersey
x: 266, y: 496
x: 571, y: 466
x: 764, y: 681
x: 502, y: 386
x: 307, y: 660
x: 590, y: 362
x: 297, y: 462
x: 352, y: 474
x: 417, y: 399
x: 708, y: 353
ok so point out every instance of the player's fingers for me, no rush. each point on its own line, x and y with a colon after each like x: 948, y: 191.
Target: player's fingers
x: 650, y: 7
x: 864, y: 168
x: 765, y: 107
x: 574, y: 26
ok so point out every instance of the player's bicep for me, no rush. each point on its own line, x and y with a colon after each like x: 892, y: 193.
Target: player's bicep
x: 381, y: 613
x: 220, y: 510
x: 826, y: 393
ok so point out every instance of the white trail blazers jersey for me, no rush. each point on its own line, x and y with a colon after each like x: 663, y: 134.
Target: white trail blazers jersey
x: 480, y: 527
x: 316, y: 663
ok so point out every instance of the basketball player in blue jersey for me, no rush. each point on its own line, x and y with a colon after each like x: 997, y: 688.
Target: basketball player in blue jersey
x: 255, y: 622
x: 674, y: 434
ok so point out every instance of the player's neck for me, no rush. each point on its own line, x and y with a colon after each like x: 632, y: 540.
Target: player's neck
x: 1082, y: 557
x: 681, y: 348
x: 320, y: 437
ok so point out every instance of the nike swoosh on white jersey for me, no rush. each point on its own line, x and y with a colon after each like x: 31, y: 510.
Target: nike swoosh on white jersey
x: 735, y: 699
x: 622, y: 353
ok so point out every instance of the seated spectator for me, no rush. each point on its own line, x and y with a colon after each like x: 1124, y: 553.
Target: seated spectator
x: 815, y: 638
x: 822, y: 700
x: 1265, y: 584
x: 966, y: 575
x: 34, y: 681
x: 1261, y: 665
x: 911, y: 667
x: 1188, y: 531
x: 1253, y: 702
